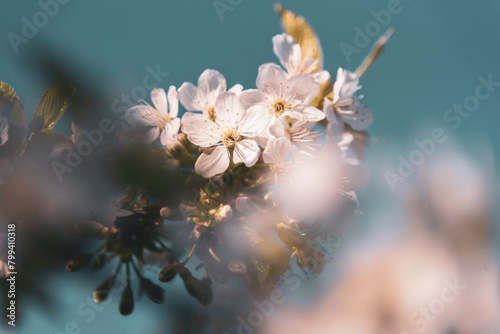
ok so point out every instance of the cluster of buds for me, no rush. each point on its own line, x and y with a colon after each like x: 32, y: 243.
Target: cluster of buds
x: 129, y: 238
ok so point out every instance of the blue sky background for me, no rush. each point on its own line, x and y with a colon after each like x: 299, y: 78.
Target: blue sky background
x: 433, y: 61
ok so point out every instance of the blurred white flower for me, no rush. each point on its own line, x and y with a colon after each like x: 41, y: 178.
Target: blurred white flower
x: 297, y: 131
x: 164, y: 124
x: 229, y: 136
x: 202, y: 98
x: 242, y: 204
x: 290, y: 56
x: 312, y: 186
x: 226, y: 212
x: 165, y: 212
x: 277, y: 153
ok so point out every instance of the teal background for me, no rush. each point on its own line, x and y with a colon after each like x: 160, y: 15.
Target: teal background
x: 432, y: 62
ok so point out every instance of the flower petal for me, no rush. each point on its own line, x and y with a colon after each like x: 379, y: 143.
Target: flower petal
x: 310, y: 113
x: 251, y: 97
x: 278, y: 128
x: 256, y: 120
x: 270, y: 79
x: 159, y: 99
x: 143, y: 115
x: 213, y: 161
x: 151, y: 135
x: 200, y: 130
x: 321, y: 77
x: 246, y: 151
x: 173, y: 102
x: 212, y: 81
x: 237, y: 89
x: 309, y: 64
x: 228, y: 110
x: 335, y: 125
x: 302, y: 88
x: 361, y: 117
x: 190, y: 98
x: 345, y: 86
x: 287, y: 50
x: 277, y: 151
x: 190, y: 116
x: 170, y: 131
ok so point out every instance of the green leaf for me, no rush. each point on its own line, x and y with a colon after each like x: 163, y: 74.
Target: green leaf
x: 54, y: 102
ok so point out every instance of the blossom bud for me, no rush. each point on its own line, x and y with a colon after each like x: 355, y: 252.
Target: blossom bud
x: 225, y: 212
x: 127, y: 301
x: 79, y: 262
x: 169, y: 272
x: 183, y: 138
x: 242, y: 204
x: 198, y: 231
x: 175, y: 148
x: 102, y: 291
x: 91, y: 229
x: 165, y: 212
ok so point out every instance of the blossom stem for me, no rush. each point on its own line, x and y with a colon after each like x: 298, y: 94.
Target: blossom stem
x: 189, y: 255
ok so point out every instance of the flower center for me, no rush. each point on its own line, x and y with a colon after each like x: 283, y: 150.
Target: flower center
x: 230, y: 138
x: 211, y: 113
x: 279, y: 106
x: 165, y: 121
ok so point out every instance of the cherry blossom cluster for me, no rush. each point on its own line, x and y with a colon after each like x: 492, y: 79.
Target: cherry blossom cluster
x: 278, y: 123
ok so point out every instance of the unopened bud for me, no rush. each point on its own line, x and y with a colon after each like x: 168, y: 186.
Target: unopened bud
x: 225, y: 212
x: 169, y: 272
x: 127, y: 301
x: 242, y: 204
x: 102, y: 291
x: 175, y: 148
x: 165, y: 212
x: 183, y: 138
x: 79, y: 262
x: 91, y: 229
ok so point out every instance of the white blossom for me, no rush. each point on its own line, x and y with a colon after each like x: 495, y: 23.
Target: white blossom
x: 279, y: 95
x: 228, y: 137
x: 290, y: 55
x: 162, y: 123
x: 202, y: 97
